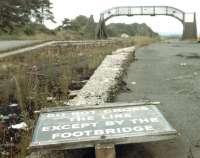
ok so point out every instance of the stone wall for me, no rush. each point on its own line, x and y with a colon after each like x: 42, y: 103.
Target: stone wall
x: 105, y: 81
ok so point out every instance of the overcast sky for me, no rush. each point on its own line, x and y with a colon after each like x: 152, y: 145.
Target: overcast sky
x: 162, y: 24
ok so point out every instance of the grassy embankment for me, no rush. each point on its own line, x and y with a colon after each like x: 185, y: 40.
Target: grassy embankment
x: 54, y: 35
x: 34, y: 77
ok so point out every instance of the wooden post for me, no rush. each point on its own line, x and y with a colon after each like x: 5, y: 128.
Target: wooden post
x: 105, y: 151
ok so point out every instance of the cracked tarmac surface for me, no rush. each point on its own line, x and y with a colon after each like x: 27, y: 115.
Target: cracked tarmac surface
x: 170, y: 73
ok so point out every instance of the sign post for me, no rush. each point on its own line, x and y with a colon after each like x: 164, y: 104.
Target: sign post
x: 105, y: 151
x: 101, y: 127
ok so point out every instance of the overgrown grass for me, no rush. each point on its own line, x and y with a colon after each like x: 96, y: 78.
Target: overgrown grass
x: 49, y: 72
x: 144, y: 40
x: 31, y: 74
x: 38, y: 75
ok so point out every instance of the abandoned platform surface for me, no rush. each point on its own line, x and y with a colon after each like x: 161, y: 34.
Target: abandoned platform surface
x: 169, y: 73
x: 14, y: 44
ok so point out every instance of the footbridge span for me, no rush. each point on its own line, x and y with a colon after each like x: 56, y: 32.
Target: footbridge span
x: 189, y: 27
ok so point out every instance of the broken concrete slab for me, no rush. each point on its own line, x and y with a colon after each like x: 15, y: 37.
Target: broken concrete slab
x: 105, y: 81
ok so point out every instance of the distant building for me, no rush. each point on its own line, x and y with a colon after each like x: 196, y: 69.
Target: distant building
x: 124, y: 35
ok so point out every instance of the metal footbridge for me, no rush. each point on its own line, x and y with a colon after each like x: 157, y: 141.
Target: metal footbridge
x: 189, y: 28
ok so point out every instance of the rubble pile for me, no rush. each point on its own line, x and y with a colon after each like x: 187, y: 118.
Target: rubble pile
x: 11, y: 130
x: 105, y: 82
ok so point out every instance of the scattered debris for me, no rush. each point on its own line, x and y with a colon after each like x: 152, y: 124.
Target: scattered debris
x: 37, y: 111
x: 11, y: 129
x: 51, y: 99
x: 73, y: 94
x: 133, y: 83
x: 13, y: 105
x: 155, y: 103
x: 22, y: 126
x: 183, y: 64
x: 124, y: 87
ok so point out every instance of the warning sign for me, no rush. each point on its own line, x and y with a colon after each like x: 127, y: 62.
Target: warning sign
x: 86, y: 127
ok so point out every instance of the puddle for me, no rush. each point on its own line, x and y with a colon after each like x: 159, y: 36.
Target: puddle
x: 176, y: 46
x: 180, y: 55
x: 193, y: 56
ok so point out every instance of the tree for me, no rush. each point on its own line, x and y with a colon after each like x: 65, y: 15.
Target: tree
x: 90, y: 27
x: 81, y: 26
x: 66, y: 24
x: 81, y: 20
x: 79, y: 23
x: 14, y: 13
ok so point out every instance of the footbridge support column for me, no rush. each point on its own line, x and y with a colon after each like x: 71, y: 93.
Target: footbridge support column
x: 190, y: 29
x: 101, y: 29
